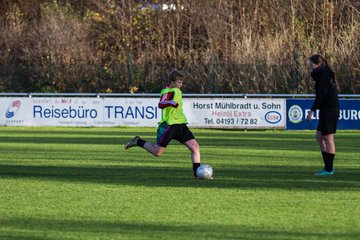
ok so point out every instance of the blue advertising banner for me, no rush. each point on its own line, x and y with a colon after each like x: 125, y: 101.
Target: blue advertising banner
x: 297, y: 110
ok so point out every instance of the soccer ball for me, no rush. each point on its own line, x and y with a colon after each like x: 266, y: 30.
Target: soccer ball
x: 204, y: 172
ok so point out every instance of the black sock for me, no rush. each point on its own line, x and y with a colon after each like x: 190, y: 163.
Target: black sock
x: 325, y: 157
x: 330, y: 161
x: 195, y: 167
x: 140, y: 142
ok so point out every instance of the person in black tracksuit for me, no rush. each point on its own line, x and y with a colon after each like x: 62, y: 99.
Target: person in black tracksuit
x: 327, y: 102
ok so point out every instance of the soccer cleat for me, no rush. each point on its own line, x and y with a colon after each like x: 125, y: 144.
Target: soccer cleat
x: 132, y: 143
x: 324, y: 173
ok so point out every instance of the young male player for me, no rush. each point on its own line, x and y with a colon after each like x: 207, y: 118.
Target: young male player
x: 173, y: 122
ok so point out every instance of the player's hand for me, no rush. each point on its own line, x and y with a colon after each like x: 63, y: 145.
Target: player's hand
x: 309, y: 116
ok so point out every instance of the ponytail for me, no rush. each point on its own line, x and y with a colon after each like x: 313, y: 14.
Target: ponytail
x: 335, y: 83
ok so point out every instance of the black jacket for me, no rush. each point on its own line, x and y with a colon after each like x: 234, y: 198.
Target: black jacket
x: 326, y: 95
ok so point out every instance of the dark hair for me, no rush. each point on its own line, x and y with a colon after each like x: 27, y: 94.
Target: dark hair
x: 173, y: 74
x: 318, y: 59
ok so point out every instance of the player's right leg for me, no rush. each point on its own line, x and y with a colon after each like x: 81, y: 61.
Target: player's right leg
x: 154, y: 149
x: 132, y: 142
x: 321, y: 141
x: 151, y: 148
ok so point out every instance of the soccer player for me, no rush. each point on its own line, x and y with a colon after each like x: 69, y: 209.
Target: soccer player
x: 327, y: 102
x: 173, y: 122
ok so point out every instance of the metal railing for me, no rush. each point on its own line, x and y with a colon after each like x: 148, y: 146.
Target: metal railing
x: 207, y: 95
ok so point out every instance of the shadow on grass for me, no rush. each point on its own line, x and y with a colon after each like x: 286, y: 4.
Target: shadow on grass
x: 267, y: 177
x: 204, y: 139
x: 280, y: 140
x: 32, y: 228
x: 63, y: 140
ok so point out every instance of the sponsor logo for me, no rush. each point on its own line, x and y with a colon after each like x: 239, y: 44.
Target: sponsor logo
x: 295, y: 114
x: 13, y: 109
x: 68, y: 112
x: 273, y: 117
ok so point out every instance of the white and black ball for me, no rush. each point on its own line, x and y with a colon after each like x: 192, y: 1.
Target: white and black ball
x: 204, y: 172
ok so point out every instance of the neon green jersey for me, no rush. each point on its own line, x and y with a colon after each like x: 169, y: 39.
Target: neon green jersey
x: 172, y: 106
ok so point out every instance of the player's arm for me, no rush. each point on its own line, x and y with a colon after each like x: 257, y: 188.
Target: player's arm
x: 322, y: 88
x: 166, y: 100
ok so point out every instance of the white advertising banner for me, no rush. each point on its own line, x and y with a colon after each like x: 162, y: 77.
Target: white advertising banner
x: 79, y: 112
x: 201, y: 112
x: 235, y: 113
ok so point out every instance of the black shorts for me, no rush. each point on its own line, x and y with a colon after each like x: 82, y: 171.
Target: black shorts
x: 328, y: 120
x: 179, y: 132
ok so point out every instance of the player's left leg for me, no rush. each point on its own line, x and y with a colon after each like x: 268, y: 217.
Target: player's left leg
x: 321, y: 133
x: 330, y: 148
x: 330, y: 144
x: 329, y: 125
x: 327, y: 146
x: 189, y: 140
x: 194, y: 148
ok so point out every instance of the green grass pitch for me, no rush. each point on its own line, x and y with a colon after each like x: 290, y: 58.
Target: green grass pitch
x: 79, y: 183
